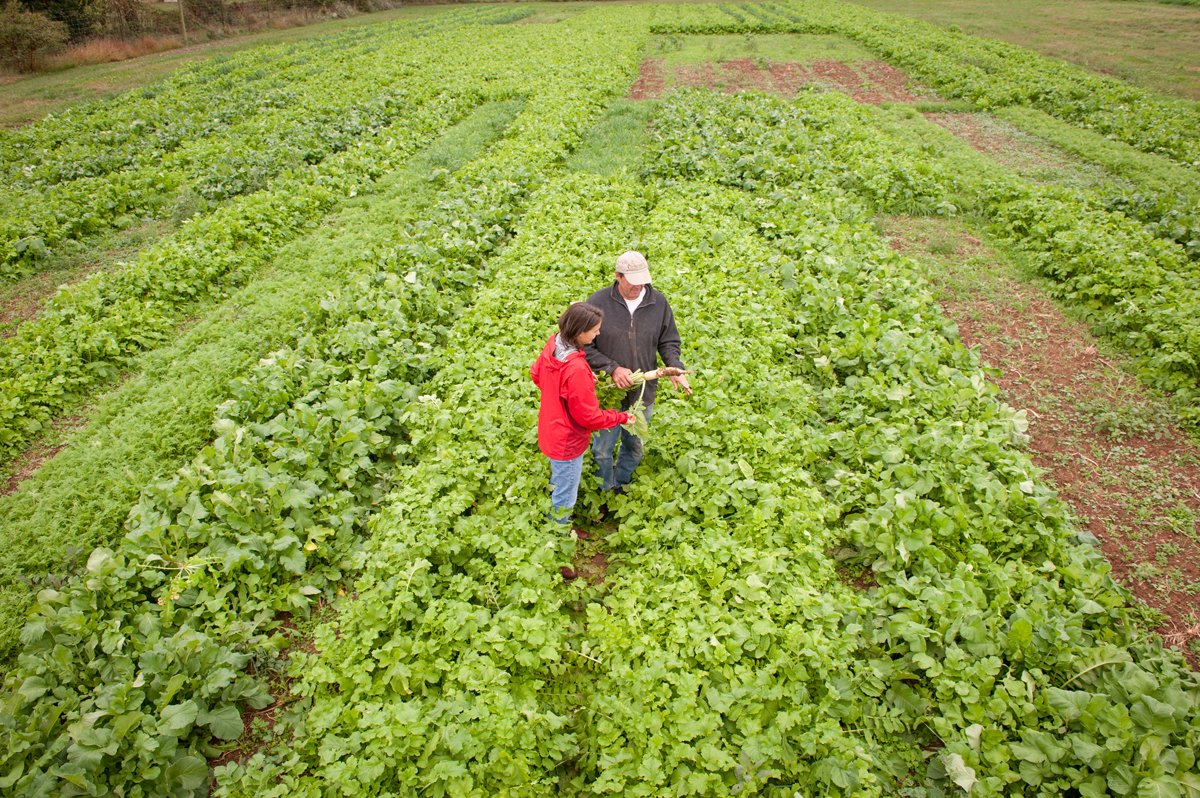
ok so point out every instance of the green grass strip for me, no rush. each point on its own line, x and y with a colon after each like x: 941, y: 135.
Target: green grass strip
x: 617, y: 140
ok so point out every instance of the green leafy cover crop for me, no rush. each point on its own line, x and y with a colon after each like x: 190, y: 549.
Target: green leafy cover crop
x: 230, y: 136
x: 844, y: 429
x: 838, y: 572
x: 269, y: 516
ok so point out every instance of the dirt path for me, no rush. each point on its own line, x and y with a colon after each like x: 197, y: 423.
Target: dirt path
x: 1130, y: 476
x: 871, y: 82
x: 27, y: 463
x: 1019, y: 151
x: 22, y: 299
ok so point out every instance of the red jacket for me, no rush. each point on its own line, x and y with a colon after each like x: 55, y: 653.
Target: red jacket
x: 570, y: 411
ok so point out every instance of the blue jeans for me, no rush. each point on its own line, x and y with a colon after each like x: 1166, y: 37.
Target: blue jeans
x: 630, y: 454
x: 564, y: 488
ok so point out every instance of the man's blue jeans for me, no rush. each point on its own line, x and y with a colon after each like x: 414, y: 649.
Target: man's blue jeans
x: 564, y: 488
x: 630, y: 454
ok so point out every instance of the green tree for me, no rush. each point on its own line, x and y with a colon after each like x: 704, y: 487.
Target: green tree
x: 80, y: 16
x: 25, y: 34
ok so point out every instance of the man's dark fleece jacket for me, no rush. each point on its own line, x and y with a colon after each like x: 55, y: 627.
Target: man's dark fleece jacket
x: 634, y: 342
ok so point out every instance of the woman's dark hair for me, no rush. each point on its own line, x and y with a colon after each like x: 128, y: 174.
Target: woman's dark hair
x: 578, y: 319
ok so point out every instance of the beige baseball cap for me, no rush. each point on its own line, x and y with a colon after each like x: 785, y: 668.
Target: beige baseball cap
x: 633, y: 265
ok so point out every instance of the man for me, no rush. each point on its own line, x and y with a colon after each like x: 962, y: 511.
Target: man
x: 638, y: 327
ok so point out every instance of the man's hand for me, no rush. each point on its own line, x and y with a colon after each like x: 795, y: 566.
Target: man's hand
x: 621, y: 377
x: 681, y: 384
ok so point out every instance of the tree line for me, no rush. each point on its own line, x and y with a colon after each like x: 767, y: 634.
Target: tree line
x: 30, y: 29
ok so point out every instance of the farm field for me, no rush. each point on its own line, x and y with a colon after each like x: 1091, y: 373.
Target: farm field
x: 30, y: 98
x: 274, y: 521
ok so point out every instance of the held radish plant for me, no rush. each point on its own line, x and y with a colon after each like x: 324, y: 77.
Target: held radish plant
x: 610, y: 395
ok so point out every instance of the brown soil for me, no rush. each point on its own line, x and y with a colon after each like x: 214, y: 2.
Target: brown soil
x: 590, y: 561
x: 26, y: 464
x: 743, y: 74
x: 266, y: 719
x: 893, y: 81
x: 697, y: 75
x: 592, y: 567
x: 29, y: 461
x: 1019, y: 151
x: 789, y: 78
x: 650, y: 80
x: 968, y: 126
x: 1130, y: 476
x: 259, y: 724
x: 22, y: 300
x: 868, y: 82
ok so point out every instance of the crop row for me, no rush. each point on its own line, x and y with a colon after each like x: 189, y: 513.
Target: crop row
x: 724, y: 633
x: 144, y: 654
x: 743, y: 18
x: 1136, y: 288
x: 197, y: 102
x: 160, y: 418
x: 726, y: 655
x: 344, y: 98
x: 1134, y: 281
x: 984, y: 611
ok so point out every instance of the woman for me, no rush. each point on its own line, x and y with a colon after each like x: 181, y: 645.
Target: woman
x: 570, y: 411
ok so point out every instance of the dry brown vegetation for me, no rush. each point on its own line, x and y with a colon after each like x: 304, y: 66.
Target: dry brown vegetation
x: 106, y: 49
